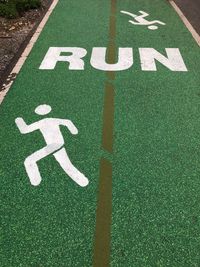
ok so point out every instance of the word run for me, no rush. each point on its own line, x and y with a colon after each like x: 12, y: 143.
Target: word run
x: 148, y: 57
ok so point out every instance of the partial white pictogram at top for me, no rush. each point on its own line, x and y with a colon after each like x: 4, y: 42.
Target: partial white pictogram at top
x: 140, y: 20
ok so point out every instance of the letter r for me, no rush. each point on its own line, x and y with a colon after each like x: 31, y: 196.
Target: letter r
x: 53, y: 56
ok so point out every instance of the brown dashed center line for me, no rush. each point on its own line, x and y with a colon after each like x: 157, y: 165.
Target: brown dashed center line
x: 108, y: 118
x: 102, y: 242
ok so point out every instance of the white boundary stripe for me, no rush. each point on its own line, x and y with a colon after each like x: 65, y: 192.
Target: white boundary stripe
x: 28, y: 49
x: 186, y: 22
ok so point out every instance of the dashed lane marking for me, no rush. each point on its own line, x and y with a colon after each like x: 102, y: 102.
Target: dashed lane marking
x: 104, y: 207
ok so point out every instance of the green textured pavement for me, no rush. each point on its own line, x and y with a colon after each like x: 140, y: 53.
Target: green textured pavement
x: 156, y: 152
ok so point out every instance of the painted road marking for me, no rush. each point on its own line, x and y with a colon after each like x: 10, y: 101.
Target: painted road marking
x: 173, y: 61
x: 102, y: 239
x: 148, y: 56
x: 53, y: 56
x: 147, y: 144
x: 141, y: 21
x: 50, y: 129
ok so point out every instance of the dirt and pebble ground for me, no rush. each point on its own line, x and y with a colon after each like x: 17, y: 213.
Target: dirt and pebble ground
x: 13, y: 32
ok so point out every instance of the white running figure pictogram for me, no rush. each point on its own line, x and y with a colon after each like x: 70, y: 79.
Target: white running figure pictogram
x: 50, y: 129
x: 140, y: 20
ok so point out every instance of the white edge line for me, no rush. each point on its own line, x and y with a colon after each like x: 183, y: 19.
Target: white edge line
x: 28, y: 49
x: 186, y: 22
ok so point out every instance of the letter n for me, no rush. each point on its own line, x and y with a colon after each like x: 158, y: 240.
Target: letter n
x: 173, y: 61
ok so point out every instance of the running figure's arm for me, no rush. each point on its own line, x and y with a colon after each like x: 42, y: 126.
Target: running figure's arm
x: 69, y: 124
x: 23, y: 127
x: 128, y: 13
x: 144, y: 14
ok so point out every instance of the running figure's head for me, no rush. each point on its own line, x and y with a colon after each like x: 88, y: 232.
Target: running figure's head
x: 43, y: 109
x: 153, y: 27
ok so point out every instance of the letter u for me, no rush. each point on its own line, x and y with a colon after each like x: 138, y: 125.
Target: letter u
x: 98, y: 59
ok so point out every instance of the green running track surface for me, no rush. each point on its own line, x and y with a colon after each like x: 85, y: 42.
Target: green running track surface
x: 138, y: 143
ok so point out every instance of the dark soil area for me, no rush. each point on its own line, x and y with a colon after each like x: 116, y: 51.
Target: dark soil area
x: 13, y: 33
x: 191, y: 9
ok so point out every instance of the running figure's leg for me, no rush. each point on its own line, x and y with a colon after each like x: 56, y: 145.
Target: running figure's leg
x: 135, y: 23
x: 64, y: 161
x: 157, y: 21
x: 142, y: 23
x: 31, y: 163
